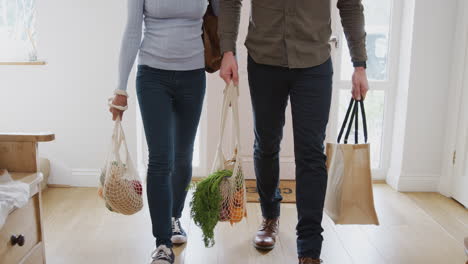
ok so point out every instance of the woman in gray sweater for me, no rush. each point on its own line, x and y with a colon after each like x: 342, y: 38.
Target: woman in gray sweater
x: 170, y: 88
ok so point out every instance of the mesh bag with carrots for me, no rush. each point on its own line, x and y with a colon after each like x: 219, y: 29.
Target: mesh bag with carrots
x: 221, y: 197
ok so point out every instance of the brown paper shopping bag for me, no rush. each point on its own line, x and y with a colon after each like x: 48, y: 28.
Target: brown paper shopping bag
x: 349, y: 199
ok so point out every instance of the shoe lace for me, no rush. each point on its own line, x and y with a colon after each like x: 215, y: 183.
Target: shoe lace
x: 162, y: 253
x: 176, y: 227
x: 269, y: 225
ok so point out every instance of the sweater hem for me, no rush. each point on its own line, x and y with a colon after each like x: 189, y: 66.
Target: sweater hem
x: 193, y: 63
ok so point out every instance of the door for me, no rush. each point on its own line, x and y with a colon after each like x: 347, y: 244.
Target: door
x: 382, y: 49
x: 382, y: 27
x: 460, y: 159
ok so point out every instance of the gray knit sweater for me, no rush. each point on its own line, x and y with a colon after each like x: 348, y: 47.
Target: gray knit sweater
x: 171, y: 38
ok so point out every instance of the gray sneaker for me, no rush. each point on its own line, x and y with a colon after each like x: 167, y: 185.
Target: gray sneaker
x: 178, y: 234
x: 162, y: 255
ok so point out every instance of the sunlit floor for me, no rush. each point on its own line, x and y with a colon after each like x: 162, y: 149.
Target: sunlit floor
x: 415, y: 228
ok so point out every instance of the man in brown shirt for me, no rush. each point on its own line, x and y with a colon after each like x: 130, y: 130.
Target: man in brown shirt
x: 289, y: 57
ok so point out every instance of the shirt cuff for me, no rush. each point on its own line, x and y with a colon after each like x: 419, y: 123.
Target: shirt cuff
x: 360, y: 64
x: 122, y: 86
x: 227, y: 45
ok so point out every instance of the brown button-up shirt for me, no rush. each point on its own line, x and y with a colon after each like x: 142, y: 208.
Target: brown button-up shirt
x: 293, y: 33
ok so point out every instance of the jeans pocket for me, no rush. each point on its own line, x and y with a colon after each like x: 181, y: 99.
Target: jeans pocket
x: 141, y: 69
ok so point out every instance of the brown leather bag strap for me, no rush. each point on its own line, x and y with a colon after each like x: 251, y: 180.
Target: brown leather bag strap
x: 211, y: 41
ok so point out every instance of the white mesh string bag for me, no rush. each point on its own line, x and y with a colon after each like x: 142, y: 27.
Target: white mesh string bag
x: 233, y: 206
x: 121, y: 186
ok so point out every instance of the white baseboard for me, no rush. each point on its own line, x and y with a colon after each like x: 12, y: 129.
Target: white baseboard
x: 86, y: 177
x: 77, y: 178
x: 418, y: 183
x: 393, y: 175
x: 287, y: 168
x: 90, y: 177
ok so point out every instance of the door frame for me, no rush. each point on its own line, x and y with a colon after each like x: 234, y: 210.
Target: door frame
x: 387, y: 86
x: 454, y: 103
x: 459, y: 156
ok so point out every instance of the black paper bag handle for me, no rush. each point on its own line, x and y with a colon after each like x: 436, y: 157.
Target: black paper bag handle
x: 353, y: 114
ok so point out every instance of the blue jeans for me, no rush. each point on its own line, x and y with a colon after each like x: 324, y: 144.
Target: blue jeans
x: 170, y: 104
x: 310, y: 91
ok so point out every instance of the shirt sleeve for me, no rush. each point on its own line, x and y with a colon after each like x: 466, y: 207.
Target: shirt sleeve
x: 131, y: 41
x: 228, y: 27
x: 352, y: 19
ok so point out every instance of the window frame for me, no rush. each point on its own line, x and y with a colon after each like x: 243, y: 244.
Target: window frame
x: 377, y: 85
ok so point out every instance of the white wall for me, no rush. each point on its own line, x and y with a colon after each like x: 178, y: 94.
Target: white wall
x: 419, y: 136
x: 455, y: 93
x: 80, y: 41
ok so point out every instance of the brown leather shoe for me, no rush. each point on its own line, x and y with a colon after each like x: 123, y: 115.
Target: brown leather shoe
x: 309, y: 261
x: 265, y: 238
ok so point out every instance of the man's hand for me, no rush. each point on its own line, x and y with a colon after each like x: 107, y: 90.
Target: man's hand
x: 229, y: 69
x: 360, y: 83
x: 120, y: 100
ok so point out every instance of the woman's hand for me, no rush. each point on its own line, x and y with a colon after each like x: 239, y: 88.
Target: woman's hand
x: 120, y: 100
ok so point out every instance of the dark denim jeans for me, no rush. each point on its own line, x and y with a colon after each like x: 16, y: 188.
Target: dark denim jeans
x: 310, y: 91
x: 170, y: 103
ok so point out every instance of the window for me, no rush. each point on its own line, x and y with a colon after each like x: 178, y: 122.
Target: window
x: 196, y: 151
x: 379, y: 26
x: 17, y: 31
x: 378, y: 20
x: 374, y: 114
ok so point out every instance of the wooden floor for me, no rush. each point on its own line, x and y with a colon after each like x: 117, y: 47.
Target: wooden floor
x: 415, y: 228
